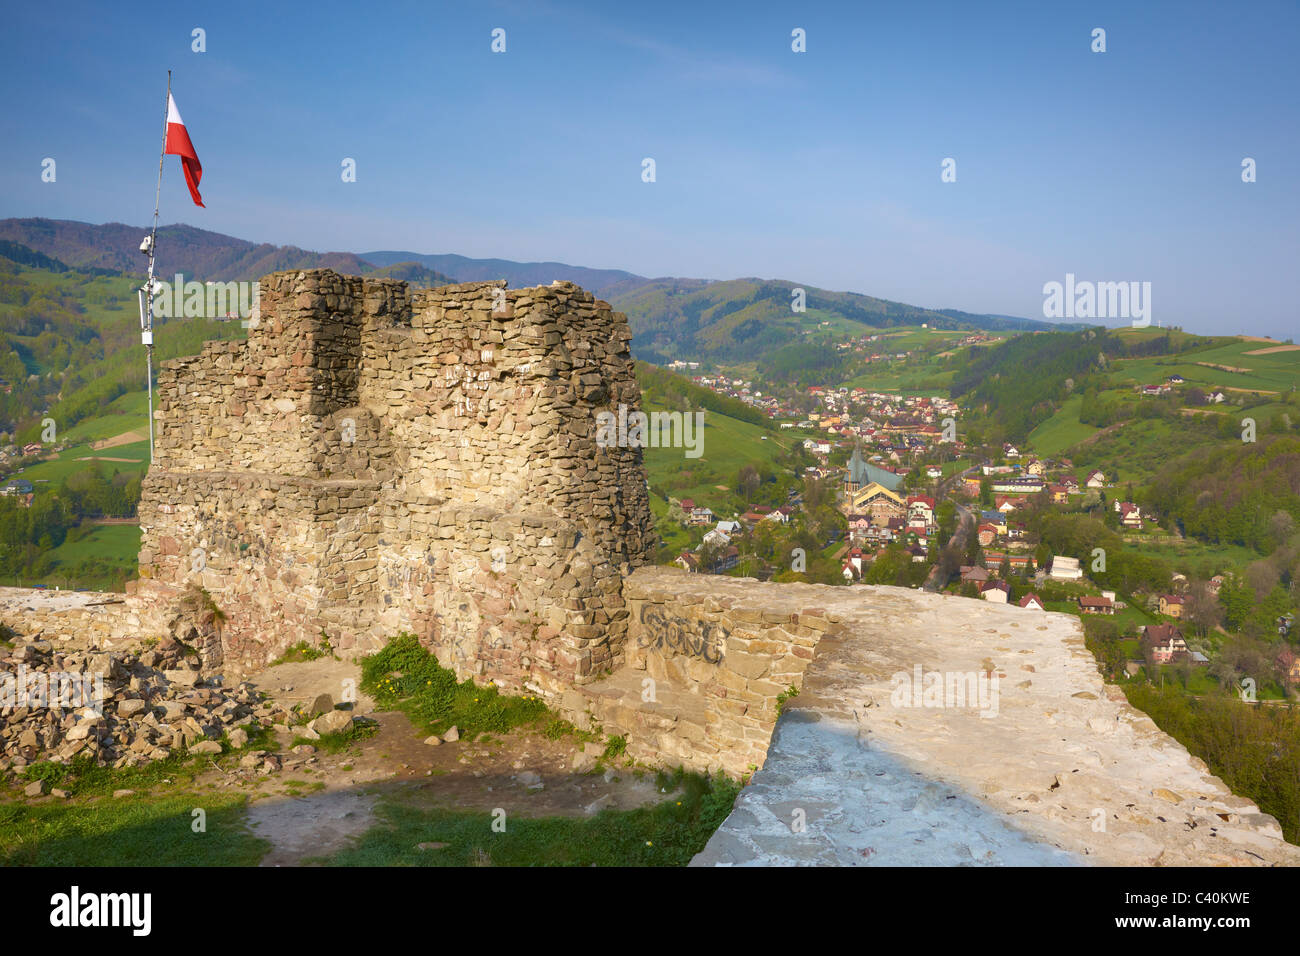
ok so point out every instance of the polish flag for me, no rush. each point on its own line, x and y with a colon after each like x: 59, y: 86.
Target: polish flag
x: 178, y: 144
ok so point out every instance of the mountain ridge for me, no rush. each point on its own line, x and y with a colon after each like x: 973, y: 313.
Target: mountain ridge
x: 671, y: 317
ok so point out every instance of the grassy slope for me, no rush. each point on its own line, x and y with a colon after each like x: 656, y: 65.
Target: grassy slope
x: 117, y: 543
x: 1278, y: 371
x: 71, y: 460
x: 728, y: 445
x: 1062, y: 430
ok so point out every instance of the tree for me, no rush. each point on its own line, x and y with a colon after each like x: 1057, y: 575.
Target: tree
x: 1262, y: 577
x: 710, y: 553
x: 1242, y: 656
x: 675, y: 512
x: 949, y: 563
x: 1237, y: 599
x: 1202, y: 609
x: 1281, y: 525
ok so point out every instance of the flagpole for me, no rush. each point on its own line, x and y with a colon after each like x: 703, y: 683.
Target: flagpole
x: 147, y: 329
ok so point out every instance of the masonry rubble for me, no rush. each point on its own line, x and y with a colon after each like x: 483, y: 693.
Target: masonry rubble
x: 155, y: 703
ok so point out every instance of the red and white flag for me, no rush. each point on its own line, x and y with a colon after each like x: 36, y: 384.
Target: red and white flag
x: 178, y: 144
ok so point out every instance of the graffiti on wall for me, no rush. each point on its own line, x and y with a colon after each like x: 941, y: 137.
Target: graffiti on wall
x: 665, y: 632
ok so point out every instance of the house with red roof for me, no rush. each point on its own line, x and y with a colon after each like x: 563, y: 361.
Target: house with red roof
x: 996, y: 591
x: 1091, y: 604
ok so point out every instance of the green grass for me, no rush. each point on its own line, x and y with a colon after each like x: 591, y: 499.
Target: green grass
x: 117, y: 543
x: 129, y: 412
x: 83, y: 778
x: 151, y: 827
x: 1063, y: 430
x: 1137, y: 450
x: 1190, y: 553
x: 341, y: 741
x: 1136, y: 616
x: 102, y: 560
x: 667, y: 834
x: 69, y: 461
x: 404, y: 676
x: 129, y: 831
x: 728, y: 444
x: 302, y: 651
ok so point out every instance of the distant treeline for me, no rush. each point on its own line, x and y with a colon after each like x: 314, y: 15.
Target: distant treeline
x: 809, y: 364
x: 15, y: 252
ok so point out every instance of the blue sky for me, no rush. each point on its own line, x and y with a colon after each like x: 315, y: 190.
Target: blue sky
x: 821, y: 167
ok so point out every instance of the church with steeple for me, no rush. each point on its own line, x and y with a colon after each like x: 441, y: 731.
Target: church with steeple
x: 868, y: 489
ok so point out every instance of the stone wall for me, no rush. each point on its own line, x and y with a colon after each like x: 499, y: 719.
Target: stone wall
x: 376, y: 458
x: 1052, y: 766
x: 708, y: 660
x: 82, y: 619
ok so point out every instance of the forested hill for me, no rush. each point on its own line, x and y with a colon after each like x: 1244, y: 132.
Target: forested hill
x: 744, y: 319
x: 1020, y: 383
x: 197, y: 253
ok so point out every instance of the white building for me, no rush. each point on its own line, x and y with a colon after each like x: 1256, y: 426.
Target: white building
x: 1065, y: 569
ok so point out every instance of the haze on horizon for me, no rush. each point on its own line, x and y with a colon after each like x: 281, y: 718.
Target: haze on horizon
x: 820, y: 167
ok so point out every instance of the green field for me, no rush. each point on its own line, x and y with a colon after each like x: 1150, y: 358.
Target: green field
x: 118, y: 543
x: 728, y: 445
x: 103, y: 559
x: 1063, y: 430
x: 924, y: 379
x: 1136, y: 450
x: 1190, y: 554
x: 134, y: 459
x: 129, y: 412
x: 1276, y: 372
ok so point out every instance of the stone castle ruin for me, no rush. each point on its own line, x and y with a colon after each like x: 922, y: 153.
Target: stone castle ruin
x: 377, y: 459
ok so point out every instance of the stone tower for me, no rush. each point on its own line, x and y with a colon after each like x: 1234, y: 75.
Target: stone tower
x: 376, y: 458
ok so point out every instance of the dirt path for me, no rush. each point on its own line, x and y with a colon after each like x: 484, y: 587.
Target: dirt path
x: 303, y: 681
x: 126, y: 438
x: 310, y: 826
x: 1270, y: 351
x: 319, y: 802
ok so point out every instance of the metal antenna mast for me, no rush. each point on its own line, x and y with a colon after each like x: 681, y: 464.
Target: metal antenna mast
x: 147, y: 292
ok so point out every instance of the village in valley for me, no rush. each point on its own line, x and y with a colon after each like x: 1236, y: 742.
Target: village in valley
x: 916, y: 505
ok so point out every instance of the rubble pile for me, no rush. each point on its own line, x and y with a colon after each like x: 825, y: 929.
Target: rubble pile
x: 124, y: 709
